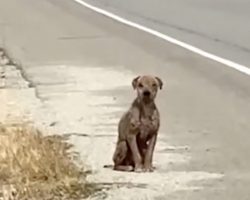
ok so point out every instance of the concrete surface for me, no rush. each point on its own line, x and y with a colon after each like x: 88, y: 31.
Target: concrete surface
x: 79, y: 68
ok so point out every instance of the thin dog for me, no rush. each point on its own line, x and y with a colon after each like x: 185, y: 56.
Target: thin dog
x: 138, y: 128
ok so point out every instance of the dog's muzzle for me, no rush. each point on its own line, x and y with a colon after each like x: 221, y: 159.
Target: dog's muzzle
x: 146, y: 93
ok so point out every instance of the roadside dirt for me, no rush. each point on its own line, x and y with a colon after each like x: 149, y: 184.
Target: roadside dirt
x: 64, y: 99
x: 34, y: 164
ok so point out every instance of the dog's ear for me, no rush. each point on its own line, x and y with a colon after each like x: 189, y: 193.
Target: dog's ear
x: 134, y: 82
x: 159, y: 82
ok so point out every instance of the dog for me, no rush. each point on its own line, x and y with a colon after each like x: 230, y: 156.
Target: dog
x: 138, y: 128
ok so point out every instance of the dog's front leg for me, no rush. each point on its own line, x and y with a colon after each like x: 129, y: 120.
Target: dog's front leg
x: 153, y: 126
x: 135, y: 152
x: 149, y: 154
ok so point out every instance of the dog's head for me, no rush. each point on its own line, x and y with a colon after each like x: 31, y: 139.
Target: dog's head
x: 147, y: 87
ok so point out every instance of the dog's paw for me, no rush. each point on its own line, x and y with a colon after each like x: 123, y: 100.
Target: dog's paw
x: 148, y: 168
x: 138, y: 169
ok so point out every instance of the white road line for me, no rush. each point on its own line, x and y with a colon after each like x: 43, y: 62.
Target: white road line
x: 201, y: 52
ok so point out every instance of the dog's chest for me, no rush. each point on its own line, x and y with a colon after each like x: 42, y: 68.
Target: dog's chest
x: 147, y: 118
x: 145, y: 129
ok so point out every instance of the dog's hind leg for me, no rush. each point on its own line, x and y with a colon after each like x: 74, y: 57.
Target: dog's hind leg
x: 120, y: 157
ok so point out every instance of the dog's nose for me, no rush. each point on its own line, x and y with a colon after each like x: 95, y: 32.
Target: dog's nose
x: 146, y: 93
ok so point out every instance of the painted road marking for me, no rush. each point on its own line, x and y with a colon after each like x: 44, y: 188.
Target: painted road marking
x: 172, y: 40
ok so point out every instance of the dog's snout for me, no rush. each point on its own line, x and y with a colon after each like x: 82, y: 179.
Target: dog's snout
x: 146, y: 93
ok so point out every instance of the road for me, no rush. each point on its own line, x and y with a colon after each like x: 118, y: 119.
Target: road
x: 219, y: 27
x: 81, y: 65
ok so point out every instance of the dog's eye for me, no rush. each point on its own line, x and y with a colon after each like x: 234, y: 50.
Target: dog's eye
x: 154, y: 85
x: 140, y: 85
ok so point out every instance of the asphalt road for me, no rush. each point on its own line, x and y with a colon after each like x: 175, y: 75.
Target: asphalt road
x: 204, y: 105
x: 219, y: 27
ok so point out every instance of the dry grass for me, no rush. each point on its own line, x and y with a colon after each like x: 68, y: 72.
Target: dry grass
x: 33, y: 166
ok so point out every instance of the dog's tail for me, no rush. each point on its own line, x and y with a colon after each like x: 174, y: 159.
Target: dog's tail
x: 108, y: 166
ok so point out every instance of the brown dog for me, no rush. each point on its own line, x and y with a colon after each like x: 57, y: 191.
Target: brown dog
x: 138, y: 128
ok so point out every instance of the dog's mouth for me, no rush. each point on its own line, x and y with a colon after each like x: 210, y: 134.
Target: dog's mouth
x: 147, y: 99
x: 146, y: 96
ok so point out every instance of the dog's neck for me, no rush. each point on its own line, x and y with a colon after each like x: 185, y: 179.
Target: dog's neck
x: 146, y: 108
